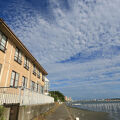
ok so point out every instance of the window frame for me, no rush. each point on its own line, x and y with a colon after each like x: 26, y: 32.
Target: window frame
x: 43, y: 78
x: 32, y: 85
x: 0, y: 68
x: 2, y: 34
x: 14, y: 80
x: 18, y: 58
x: 34, y: 69
x: 26, y: 63
x: 24, y: 81
x: 38, y: 74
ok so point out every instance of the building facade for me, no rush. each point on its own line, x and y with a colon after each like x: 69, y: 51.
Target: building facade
x: 18, y: 67
x: 46, y: 88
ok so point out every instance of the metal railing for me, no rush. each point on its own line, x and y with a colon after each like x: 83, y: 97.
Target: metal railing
x: 23, y: 96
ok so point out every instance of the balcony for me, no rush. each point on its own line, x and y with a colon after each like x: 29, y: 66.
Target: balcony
x: 23, y: 96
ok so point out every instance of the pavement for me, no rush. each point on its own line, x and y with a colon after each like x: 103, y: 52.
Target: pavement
x: 61, y: 113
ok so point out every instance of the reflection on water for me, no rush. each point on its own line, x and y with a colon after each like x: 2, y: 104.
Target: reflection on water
x: 113, y: 108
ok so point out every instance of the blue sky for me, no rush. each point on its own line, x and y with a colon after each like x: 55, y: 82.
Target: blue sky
x: 76, y: 41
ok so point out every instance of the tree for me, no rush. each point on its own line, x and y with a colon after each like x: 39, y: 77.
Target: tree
x: 57, y: 96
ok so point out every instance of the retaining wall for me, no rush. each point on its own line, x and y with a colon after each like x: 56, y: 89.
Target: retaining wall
x: 32, y: 111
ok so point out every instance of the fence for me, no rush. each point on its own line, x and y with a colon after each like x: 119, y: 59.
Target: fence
x: 23, y: 96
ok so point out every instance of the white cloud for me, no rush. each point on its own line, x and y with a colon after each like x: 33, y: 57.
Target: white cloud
x: 86, y: 27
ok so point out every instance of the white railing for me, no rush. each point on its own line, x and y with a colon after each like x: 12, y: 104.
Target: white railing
x: 23, y: 96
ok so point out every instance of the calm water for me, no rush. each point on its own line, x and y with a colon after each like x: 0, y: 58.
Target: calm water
x: 113, y: 108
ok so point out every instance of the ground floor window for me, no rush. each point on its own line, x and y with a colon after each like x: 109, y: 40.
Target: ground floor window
x: 32, y: 85
x: 14, y: 79
x: 41, y: 89
x: 24, y: 82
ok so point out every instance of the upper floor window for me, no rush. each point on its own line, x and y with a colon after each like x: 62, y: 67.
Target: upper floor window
x: 3, y: 41
x: 24, y: 82
x: 46, y: 86
x: 43, y: 78
x: 38, y: 74
x: 26, y: 63
x: 14, y: 79
x: 18, y: 56
x: 34, y: 69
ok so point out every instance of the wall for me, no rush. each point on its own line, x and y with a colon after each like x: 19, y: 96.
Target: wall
x: 6, y: 113
x: 30, y: 112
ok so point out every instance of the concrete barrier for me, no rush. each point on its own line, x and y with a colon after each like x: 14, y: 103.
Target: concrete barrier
x: 32, y: 111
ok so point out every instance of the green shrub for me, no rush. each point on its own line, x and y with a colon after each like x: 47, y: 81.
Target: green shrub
x: 2, y: 112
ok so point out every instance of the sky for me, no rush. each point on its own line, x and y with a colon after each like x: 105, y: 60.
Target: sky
x: 76, y: 41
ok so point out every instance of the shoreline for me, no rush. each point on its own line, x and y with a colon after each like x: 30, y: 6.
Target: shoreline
x: 87, y: 114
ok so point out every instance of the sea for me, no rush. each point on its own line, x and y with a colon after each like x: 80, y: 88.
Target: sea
x: 111, y: 107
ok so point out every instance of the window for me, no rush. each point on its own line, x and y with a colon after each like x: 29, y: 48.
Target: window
x: 43, y: 78
x: 3, y: 41
x: 38, y: 74
x: 18, y: 56
x: 24, y: 82
x: 37, y: 88
x: 32, y: 85
x: 46, y: 86
x: 41, y: 89
x: 14, y: 79
x: 34, y: 70
x: 26, y: 63
x: 0, y: 67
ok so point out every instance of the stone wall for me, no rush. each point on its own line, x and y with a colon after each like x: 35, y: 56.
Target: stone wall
x: 32, y: 111
x: 6, y: 113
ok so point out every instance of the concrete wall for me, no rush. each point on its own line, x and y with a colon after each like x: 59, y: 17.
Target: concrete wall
x: 30, y: 112
x: 6, y: 113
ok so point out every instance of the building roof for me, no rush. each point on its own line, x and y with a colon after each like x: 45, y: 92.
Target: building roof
x: 16, y: 41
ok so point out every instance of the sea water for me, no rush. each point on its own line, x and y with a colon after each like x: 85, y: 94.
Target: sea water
x: 111, y: 107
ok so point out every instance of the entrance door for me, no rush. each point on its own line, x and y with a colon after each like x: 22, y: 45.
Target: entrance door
x: 14, y: 110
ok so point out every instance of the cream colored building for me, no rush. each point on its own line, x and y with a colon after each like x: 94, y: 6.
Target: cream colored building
x: 18, y: 67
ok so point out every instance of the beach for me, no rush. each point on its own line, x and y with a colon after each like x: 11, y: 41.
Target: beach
x: 63, y: 112
x: 88, y: 115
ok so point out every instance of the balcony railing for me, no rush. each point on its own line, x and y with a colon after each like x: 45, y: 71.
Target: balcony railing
x: 23, y: 96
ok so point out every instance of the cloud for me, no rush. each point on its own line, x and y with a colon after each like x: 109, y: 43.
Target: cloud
x: 77, y: 41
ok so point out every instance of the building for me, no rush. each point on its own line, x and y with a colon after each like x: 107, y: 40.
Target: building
x: 18, y: 68
x: 68, y: 99
x: 46, y: 88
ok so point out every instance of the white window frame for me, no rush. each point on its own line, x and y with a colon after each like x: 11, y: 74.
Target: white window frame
x: 18, y: 56
x: 14, y: 79
x: 26, y: 63
x: 3, y: 42
x: 24, y: 82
